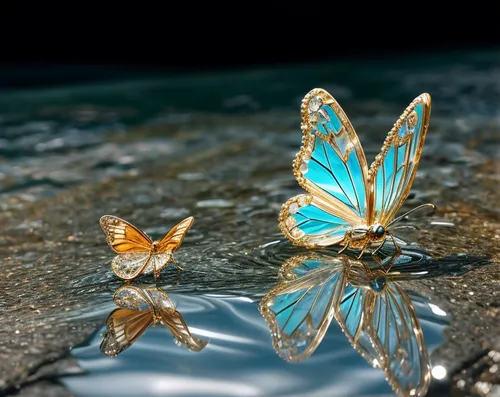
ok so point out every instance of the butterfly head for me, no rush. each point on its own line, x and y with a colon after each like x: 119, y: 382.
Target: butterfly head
x: 154, y: 247
x: 376, y: 232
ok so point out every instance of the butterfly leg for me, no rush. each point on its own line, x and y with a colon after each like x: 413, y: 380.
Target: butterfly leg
x: 176, y: 264
x: 396, y: 254
x: 346, y: 245
x: 363, y: 249
x: 379, y: 247
x: 379, y: 261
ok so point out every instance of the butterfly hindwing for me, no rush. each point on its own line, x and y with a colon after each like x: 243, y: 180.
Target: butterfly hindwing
x: 393, y: 171
x: 332, y: 167
x: 123, y: 328
x: 305, y: 223
x: 123, y: 237
x: 129, y: 265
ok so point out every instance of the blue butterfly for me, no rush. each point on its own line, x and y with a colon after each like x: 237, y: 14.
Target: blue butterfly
x: 349, y: 204
x: 372, y: 309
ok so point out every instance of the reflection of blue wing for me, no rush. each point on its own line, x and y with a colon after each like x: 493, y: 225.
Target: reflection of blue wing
x: 396, y: 333
x: 350, y: 314
x: 394, y: 171
x: 332, y: 167
x: 299, y: 311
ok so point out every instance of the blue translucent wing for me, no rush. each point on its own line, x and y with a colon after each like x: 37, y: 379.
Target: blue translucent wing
x: 331, y: 166
x: 395, y: 330
x: 350, y: 313
x: 299, y: 311
x: 394, y: 169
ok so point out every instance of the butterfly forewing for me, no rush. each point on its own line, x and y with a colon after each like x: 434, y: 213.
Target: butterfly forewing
x: 396, y: 333
x: 122, y: 236
x: 172, y: 241
x: 175, y: 322
x: 123, y: 328
x: 394, y: 169
x: 332, y: 167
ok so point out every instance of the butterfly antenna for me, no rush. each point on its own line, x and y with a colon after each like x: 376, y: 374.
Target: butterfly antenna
x: 399, y: 218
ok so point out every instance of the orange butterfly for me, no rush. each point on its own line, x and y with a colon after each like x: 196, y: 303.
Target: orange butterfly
x: 137, y: 253
x: 139, y: 308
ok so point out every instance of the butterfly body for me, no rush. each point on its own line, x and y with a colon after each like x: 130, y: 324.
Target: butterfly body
x: 137, y: 253
x: 348, y: 203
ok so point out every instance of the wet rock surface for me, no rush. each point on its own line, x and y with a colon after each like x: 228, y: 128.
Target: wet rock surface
x: 220, y: 148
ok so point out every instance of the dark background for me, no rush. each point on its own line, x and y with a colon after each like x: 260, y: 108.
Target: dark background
x: 45, y: 45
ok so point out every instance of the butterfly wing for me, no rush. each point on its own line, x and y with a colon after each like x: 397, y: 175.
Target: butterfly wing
x: 173, y: 240
x: 350, y: 313
x: 331, y: 166
x: 132, y: 245
x: 397, y: 335
x: 299, y: 311
x: 393, y: 171
x: 130, y: 265
x: 123, y: 328
x: 123, y: 237
x: 182, y: 336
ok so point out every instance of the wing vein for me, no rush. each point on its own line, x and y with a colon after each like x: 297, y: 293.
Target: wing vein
x: 333, y: 176
x: 353, y: 185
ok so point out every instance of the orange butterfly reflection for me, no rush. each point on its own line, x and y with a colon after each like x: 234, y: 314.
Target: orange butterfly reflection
x: 139, y: 308
x: 137, y: 253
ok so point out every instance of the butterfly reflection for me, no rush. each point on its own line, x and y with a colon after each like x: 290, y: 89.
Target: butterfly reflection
x: 372, y: 309
x: 139, y: 308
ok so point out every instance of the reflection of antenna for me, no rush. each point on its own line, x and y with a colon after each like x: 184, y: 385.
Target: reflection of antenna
x: 139, y: 308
